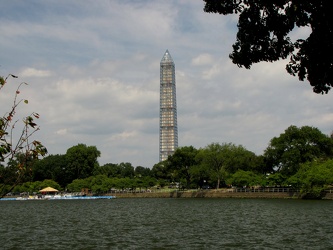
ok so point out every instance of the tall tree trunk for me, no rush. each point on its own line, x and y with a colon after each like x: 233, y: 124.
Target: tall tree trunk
x: 218, y: 183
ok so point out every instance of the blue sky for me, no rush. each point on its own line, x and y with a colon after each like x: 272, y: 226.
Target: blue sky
x: 93, y: 74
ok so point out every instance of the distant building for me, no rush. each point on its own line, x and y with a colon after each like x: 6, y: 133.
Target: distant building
x: 168, y: 107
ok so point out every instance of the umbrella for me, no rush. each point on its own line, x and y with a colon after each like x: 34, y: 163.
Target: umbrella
x: 48, y: 189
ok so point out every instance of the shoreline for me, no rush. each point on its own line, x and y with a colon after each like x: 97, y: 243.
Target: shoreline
x: 217, y: 194
x: 221, y: 193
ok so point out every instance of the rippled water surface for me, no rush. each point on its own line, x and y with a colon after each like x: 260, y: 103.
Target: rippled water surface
x: 166, y: 224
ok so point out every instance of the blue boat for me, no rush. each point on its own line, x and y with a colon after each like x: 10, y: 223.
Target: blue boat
x: 58, y: 197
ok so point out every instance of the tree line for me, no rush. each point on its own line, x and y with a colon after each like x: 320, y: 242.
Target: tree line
x: 300, y: 158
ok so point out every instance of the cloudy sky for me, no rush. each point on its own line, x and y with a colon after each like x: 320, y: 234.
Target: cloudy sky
x: 93, y: 74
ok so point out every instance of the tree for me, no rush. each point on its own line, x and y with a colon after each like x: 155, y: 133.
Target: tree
x: 160, y: 171
x: 216, y: 157
x: 22, y: 159
x: 295, y: 146
x: 123, y: 183
x: 51, y: 167
x: 142, y: 171
x: 246, y: 178
x: 276, y: 179
x: 241, y: 159
x: 260, y: 166
x: 227, y: 158
x: 48, y: 183
x: 148, y: 182
x: 127, y: 170
x: 313, y: 178
x: 81, y: 161
x: 78, y: 184
x: 200, y: 175
x: 109, y: 169
x: 263, y: 35
x: 17, y: 145
x: 35, y: 186
x: 100, y: 184
x: 181, y: 161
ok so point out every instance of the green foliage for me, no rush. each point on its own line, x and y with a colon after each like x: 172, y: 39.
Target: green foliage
x: 8, y: 177
x: 103, y: 184
x: 127, y: 170
x: 301, y: 157
x: 31, y: 187
x: 109, y: 169
x: 140, y: 171
x: 160, y: 171
x: 100, y: 184
x: 162, y: 183
x: 50, y: 183
x: 216, y: 157
x: 260, y: 167
x: 144, y: 182
x: 51, y: 167
x: 246, y: 178
x: 313, y: 178
x: 81, y: 161
x: 295, y: 146
x: 122, y: 170
x: 200, y: 175
x: 149, y: 182
x: 79, y: 184
x: 263, y: 35
x: 181, y: 163
x: 226, y: 158
x: 124, y: 183
x: 276, y: 179
x: 241, y: 159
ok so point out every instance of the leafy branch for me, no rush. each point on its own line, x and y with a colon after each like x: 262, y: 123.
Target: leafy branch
x: 23, y: 145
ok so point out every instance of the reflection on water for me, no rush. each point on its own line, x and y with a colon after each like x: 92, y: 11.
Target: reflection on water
x: 167, y: 224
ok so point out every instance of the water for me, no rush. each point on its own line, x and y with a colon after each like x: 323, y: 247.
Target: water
x: 166, y: 224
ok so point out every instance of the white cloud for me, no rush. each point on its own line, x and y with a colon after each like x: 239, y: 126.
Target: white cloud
x: 32, y: 72
x: 61, y: 131
x: 203, y: 59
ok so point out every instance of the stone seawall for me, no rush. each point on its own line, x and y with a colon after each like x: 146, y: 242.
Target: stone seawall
x: 216, y: 194
x: 328, y: 196
x: 208, y: 194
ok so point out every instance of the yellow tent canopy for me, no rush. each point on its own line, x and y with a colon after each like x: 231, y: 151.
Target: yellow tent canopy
x: 48, y: 189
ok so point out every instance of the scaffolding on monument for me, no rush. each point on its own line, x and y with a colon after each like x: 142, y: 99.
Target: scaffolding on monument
x: 168, y: 107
